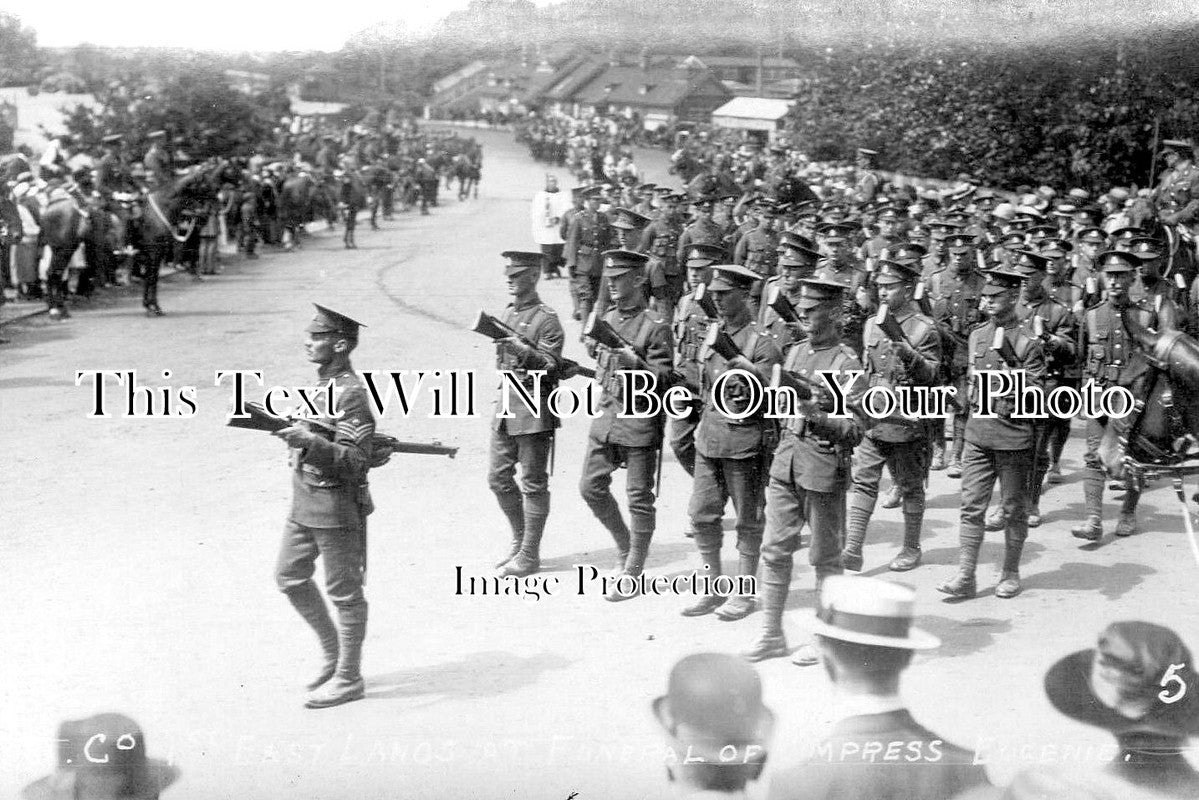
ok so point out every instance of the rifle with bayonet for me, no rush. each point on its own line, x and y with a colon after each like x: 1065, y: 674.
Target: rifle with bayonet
x: 383, y: 445
x: 494, y: 329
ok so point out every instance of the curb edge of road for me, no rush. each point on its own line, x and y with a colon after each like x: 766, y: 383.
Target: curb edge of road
x: 25, y: 316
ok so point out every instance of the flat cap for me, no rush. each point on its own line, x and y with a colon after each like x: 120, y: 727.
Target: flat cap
x: 329, y: 321
x: 618, y: 262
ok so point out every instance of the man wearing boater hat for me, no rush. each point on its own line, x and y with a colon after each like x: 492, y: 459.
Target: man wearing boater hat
x: 810, y: 472
x: 103, y: 758
x: 865, y: 632
x: 906, y: 355
x: 718, y: 729
x: 617, y: 438
x: 525, y: 439
x: 733, y: 455
x: 330, y: 503
x: 997, y: 446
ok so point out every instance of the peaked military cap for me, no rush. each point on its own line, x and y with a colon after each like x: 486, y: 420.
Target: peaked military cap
x: 592, y: 192
x: 329, y: 321
x: 1117, y: 261
x: 1042, y: 231
x: 618, y: 262
x: 960, y: 242
x: 706, y: 201
x: 896, y: 272
x: 1092, y: 235
x: 919, y: 232
x: 1126, y: 234
x: 577, y: 192
x: 793, y: 239
x: 672, y: 197
x: 791, y: 256
x: 628, y: 220
x: 1146, y: 247
x: 705, y: 255
x: 732, y: 276
x: 905, y: 251
x: 1054, y: 246
x: 1028, y: 260
x: 997, y: 281
x: 835, y: 231
x: 889, y: 213
x: 814, y: 291
x: 519, y: 261
x: 647, y: 187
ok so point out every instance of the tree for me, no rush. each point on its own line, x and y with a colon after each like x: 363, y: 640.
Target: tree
x: 19, y: 56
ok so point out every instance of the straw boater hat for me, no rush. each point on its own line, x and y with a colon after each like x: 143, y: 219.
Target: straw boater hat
x: 870, y: 611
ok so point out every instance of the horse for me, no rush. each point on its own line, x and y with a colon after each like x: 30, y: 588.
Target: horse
x: 64, y: 226
x: 467, y: 171
x: 295, y: 206
x: 163, y: 209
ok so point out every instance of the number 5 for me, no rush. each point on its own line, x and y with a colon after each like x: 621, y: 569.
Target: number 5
x: 1167, y: 679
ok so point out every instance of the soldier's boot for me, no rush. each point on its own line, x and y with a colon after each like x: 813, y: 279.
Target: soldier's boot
x: 742, y: 605
x: 1054, y: 475
x: 1035, y: 487
x: 893, y: 498
x: 709, y: 553
x: 913, y: 520
x: 771, y: 643
x: 346, y: 685
x: 963, y: 586
x: 307, y: 600
x: 954, y: 468
x: 1092, y: 487
x: 151, y: 300
x: 806, y: 655
x: 1127, y: 526
x: 611, y: 519
x: 996, y: 518
x: 1009, y: 580
x: 855, y: 537
x: 638, y: 550
x: 512, y: 504
x: 528, y: 560
x: 938, y: 460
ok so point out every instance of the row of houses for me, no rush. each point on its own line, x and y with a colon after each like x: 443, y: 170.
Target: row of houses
x: 659, y: 91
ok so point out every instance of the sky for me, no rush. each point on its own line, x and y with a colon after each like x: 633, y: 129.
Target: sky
x: 229, y: 25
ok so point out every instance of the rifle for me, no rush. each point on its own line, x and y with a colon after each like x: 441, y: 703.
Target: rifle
x: 806, y: 388
x: 701, y: 299
x: 779, y: 303
x: 1001, y: 345
x: 920, y: 295
x: 890, y: 326
x: 493, y: 329
x: 383, y: 445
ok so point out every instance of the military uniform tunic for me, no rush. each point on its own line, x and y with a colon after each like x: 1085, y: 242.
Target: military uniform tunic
x: 526, y: 438
x: 690, y: 328
x: 660, y: 241
x: 733, y: 454
x: 810, y: 472
x: 330, y: 503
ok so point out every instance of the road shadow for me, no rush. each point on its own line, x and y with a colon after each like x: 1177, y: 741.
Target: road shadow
x: 963, y: 637
x: 1112, y: 581
x: 485, y: 674
x: 603, y: 559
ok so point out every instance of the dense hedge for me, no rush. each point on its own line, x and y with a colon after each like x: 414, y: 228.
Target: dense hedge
x: 1078, y: 114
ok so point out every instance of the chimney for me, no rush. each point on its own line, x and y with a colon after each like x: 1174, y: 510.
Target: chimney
x: 643, y: 59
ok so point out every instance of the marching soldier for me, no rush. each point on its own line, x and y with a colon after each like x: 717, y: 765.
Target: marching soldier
x: 810, y: 473
x: 1053, y: 322
x: 842, y: 267
x: 868, y: 179
x: 797, y: 262
x: 330, y: 503
x: 1162, y: 294
x: 616, y: 438
x: 1112, y: 358
x: 526, y: 438
x: 733, y: 454
x: 590, y: 234
x: 997, y: 446
x: 956, y: 290
x: 660, y: 241
x: 690, y: 327
x: 702, y: 231
x: 903, y: 351
x: 627, y: 229
x: 757, y: 250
